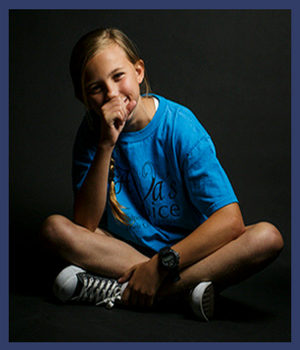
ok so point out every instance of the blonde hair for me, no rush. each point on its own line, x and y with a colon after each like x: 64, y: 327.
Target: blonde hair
x: 91, y: 44
x: 116, y: 207
x: 86, y: 48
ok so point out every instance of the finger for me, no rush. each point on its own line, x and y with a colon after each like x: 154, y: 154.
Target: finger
x: 126, y: 276
x: 134, y: 298
x: 142, y: 301
x: 130, y: 297
x: 114, y: 109
x: 122, y: 115
x: 130, y: 106
x: 149, y: 301
x: 116, y: 118
x: 125, y: 296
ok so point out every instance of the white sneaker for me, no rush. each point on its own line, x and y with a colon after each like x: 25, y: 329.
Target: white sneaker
x: 202, y: 300
x: 75, y: 284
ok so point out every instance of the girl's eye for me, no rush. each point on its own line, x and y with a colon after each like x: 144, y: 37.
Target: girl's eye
x: 95, y: 89
x: 118, y: 76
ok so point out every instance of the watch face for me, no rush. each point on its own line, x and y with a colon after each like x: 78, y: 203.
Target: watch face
x: 169, y: 261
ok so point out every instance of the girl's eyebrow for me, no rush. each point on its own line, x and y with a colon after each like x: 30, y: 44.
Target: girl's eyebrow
x: 116, y: 70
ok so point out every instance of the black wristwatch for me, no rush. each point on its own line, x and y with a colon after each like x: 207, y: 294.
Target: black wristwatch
x: 169, y: 260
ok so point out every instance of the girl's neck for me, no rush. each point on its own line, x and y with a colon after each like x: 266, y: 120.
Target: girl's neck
x: 142, y: 115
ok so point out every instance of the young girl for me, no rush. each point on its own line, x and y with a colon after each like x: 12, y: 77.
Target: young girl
x: 154, y: 212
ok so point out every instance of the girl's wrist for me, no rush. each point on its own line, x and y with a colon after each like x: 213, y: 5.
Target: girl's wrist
x: 163, y: 273
x: 106, y: 147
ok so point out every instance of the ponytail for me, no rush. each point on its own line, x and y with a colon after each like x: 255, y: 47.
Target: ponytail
x: 116, y: 207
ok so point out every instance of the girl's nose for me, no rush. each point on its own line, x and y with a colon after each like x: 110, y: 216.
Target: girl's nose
x: 111, y: 91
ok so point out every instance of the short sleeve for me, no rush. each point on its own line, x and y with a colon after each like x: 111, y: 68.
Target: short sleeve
x: 206, y: 181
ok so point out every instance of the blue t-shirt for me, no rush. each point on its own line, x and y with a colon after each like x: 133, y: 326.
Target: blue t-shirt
x: 167, y: 177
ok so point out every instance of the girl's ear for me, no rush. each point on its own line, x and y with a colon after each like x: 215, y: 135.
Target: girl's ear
x: 140, y: 71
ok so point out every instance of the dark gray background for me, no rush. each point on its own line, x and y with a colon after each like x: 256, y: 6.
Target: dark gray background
x: 231, y: 68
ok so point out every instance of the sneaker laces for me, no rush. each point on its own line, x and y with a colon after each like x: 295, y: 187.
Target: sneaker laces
x: 99, y: 291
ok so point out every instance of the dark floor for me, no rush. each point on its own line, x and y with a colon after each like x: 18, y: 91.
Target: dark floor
x: 258, y: 310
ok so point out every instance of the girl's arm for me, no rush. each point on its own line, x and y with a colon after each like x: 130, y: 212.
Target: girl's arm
x: 225, y: 225
x: 90, y: 201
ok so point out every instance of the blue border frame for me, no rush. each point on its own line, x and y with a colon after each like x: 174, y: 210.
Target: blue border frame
x: 6, y: 5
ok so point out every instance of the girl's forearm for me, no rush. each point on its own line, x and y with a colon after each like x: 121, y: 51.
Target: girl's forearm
x: 223, y: 226
x: 90, y: 201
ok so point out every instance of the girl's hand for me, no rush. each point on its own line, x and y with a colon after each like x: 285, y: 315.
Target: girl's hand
x: 144, y: 282
x: 114, y: 116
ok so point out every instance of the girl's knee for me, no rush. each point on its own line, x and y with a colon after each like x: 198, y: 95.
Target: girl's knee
x: 269, y: 239
x: 54, y: 227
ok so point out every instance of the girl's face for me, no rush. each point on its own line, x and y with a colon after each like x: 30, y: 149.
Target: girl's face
x: 108, y: 74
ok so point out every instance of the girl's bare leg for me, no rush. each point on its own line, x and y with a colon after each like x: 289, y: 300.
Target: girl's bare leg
x: 236, y: 261
x: 97, y: 252
x: 105, y: 255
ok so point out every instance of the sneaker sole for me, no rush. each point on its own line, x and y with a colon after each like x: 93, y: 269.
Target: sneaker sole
x: 203, y: 301
x: 208, y: 302
x: 65, y: 282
